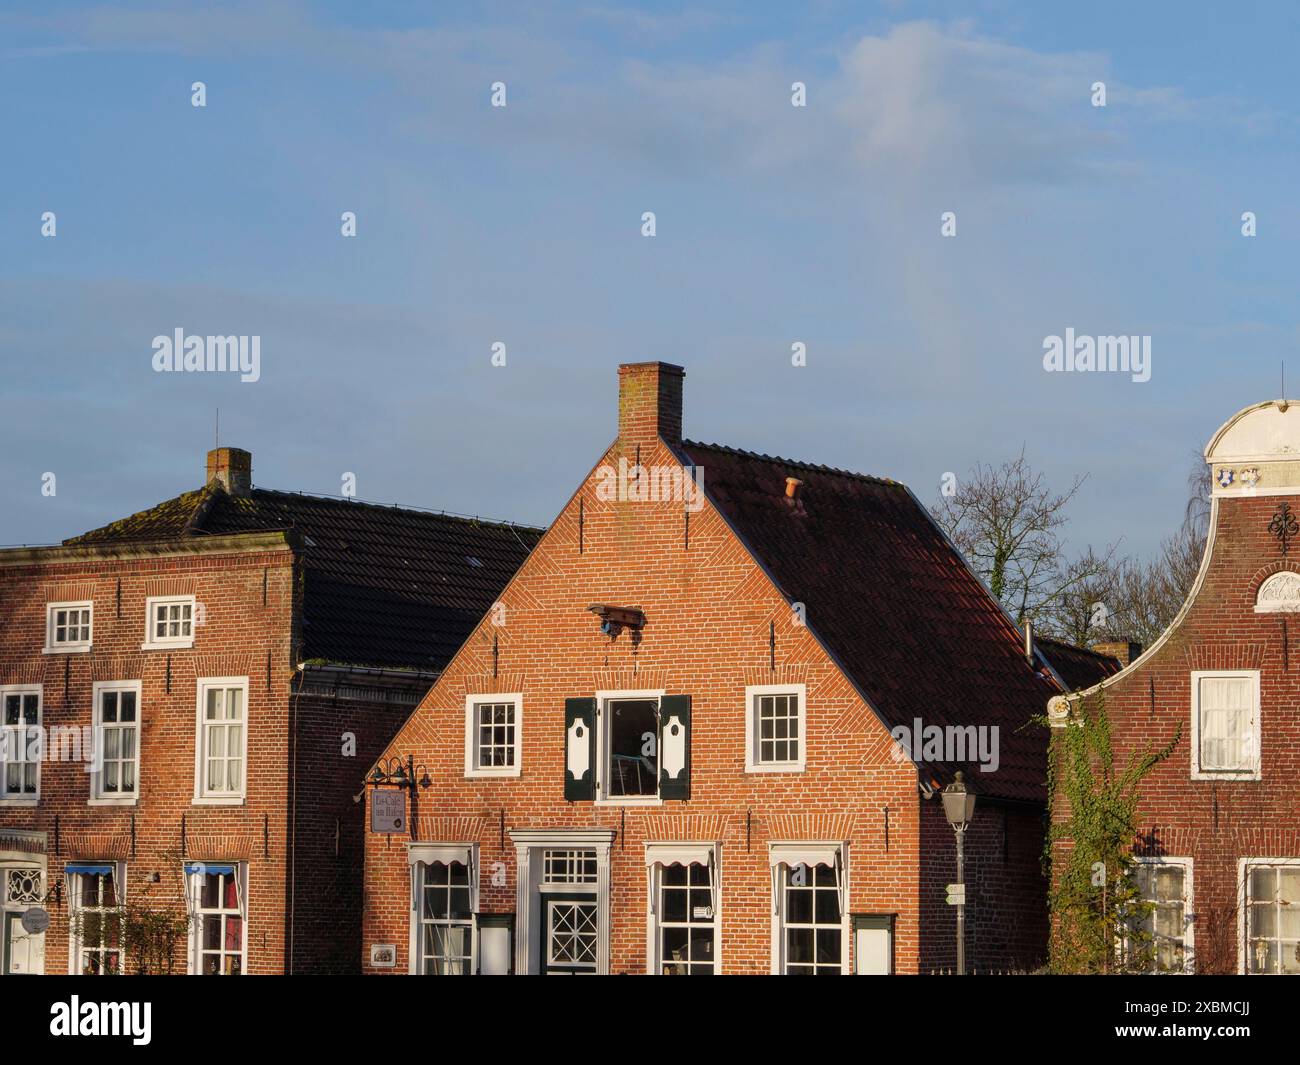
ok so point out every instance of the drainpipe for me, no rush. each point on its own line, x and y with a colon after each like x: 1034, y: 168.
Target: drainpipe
x: 1029, y: 642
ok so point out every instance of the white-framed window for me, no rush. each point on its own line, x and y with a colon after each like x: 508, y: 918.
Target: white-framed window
x: 169, y: 622
x: 96, y: 897
x: 117, y: 742
x: 444, y: 884
x: 493, y: 725
x: 776, y: 739
x: 682, y: 881
x: 810, y: 927
x: 1225, y: 724
x: 221, y: 745
x: 1165, y: 924
x: 569, y: 866
x: 628, y: 739
x: 21, y: 745
x: 68, y: 627
x: 216, y: 894
x: 1270, y: 932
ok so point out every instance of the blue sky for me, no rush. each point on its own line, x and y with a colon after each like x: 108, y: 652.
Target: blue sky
x: 522, y: 225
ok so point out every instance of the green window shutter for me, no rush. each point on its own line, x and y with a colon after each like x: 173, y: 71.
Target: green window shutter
x: 675, y: 747
x: 579, y: 749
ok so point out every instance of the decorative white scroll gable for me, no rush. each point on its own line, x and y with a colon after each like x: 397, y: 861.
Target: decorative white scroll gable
x: 1280, y: 594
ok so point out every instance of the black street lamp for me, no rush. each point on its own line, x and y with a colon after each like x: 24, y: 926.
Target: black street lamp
x: 959, y: 808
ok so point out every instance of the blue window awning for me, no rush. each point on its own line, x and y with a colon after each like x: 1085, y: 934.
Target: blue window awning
x: 91, y: 868
x: 199, y: 868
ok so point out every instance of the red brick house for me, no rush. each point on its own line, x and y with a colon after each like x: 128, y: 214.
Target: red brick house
x: 1219, y: 842
x: 187, y: 695
x: 673, y: 748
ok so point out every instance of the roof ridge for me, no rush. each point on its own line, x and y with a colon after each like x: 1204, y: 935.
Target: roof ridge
x: 798, y: 464
x: 473, y: 519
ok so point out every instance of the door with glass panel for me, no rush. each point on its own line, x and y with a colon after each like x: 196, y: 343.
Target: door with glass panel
x: 570, y: 934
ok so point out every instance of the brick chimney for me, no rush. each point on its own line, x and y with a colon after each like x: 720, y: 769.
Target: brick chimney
x: 1125, y: 650
x: 232, y: 467
x: 649, y: 403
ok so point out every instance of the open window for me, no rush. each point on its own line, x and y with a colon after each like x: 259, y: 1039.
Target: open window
x: 628, y: 747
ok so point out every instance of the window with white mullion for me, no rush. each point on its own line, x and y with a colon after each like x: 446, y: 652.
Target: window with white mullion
x: 1225, y: 724
x: 218, y: 918
x: 97, y: 920
x: 68, y: 626
x: 118, y: 736
x: 223, y: 738
x: 20, y: 743
x: 686, y: 921
x: 446, y: 919
x: 169, y: 622
x: 1273, y: 918
x: 812, y: 927
x: 569, y: 867
x: 496, y: 735
x: 1160, y: 939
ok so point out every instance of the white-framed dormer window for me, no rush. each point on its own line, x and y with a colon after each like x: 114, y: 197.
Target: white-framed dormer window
x: 116, y: 779
x: 221, y: 744
x: 216, y: 894
x: 21, y: 745
x: 96, y: 897
x: 810, y: 926
x: 1225, y: 725
x: 169, y: 622
x: 1164, y: 943
x: 68, y: 627
x: 493, y: 725
x: 683, y: 897
x: 776, y: 738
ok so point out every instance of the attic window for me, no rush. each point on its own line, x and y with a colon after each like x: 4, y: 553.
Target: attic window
x: 473, y: 561
x: 308, y: 541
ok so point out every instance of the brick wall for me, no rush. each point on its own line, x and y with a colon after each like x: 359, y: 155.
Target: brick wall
x: 708, y: 610
x: 1217, y: 822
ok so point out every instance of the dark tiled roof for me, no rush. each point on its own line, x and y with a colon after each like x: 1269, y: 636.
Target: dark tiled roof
x: 384, y: 586
x: 1077, y: 666
x: 893, y: 601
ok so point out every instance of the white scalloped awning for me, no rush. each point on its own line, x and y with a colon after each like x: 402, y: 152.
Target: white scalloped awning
x: 793, y: 854
x: 679, y: 853
x: 440, y: 854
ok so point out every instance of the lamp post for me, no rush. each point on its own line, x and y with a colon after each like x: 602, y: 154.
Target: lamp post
x: 959, y: 808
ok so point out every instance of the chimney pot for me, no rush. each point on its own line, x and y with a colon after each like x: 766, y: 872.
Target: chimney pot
x: 232, y: 468
x: 792, y: 486
x: 650, y: 403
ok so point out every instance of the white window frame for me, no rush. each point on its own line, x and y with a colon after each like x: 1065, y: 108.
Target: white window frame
x: 603, y: 699
x: 752, y: 694
x: 68, y: 647
x: 1189, y: 915
x: 1244, y: 867
x: 787, y: 854
x: 659, y: 856
x: 419, y: 857
x: 13, y: 732
x: 472, y: 703
x: 75, y: 945
x: 203, y: 797
x: 193, y: 898
x: 97, y: 795
x: 167, y: 643
x: 1252, y: 773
